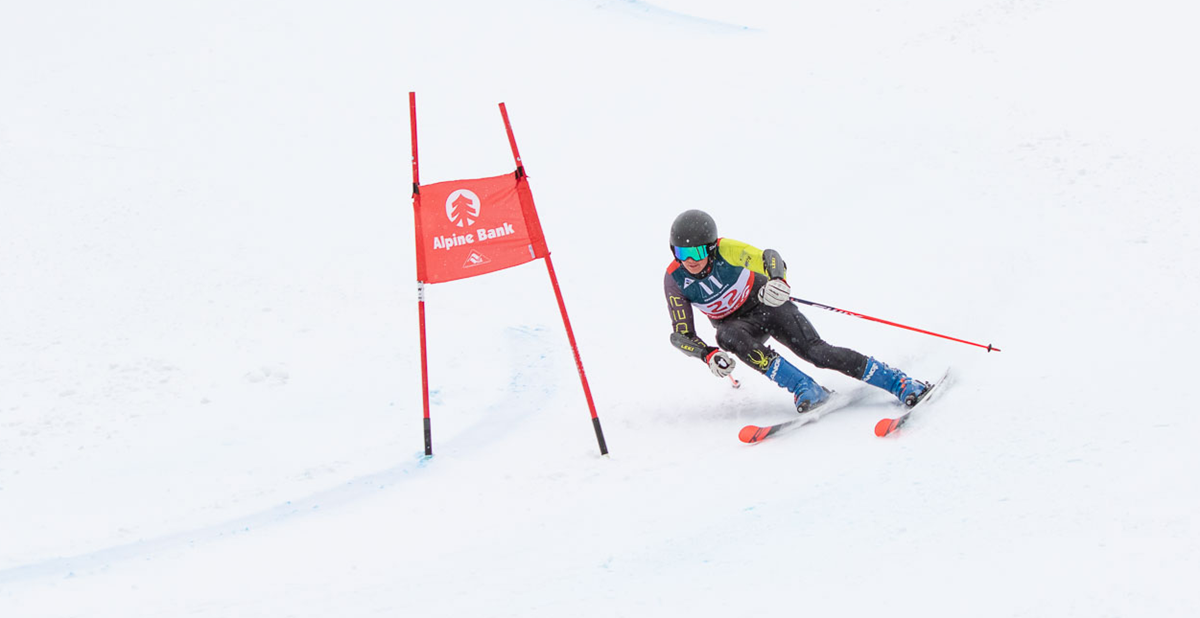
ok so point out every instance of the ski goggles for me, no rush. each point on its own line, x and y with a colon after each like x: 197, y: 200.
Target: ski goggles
x: 695, y: 253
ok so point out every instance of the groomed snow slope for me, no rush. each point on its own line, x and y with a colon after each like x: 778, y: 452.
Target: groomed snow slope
x: 209, y: 384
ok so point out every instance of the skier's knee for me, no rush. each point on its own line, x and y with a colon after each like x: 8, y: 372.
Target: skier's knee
x: 734, y: 339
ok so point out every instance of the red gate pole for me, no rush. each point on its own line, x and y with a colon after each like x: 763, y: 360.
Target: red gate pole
x: 416, y: 196
x: 562, y: 306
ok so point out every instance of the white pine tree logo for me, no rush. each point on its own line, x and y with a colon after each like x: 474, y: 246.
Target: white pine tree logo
x: 462, y: 207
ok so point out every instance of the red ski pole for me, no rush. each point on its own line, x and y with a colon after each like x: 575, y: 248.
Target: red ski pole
x: 987, y: 347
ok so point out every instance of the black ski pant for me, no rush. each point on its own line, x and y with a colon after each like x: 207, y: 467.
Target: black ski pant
x: 745, y: 334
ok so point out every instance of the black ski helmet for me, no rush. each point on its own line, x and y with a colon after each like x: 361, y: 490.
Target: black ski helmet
x: 693, y: 228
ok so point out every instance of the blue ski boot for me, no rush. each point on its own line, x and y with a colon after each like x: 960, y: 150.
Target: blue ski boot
x: 894, y: 381
x: 808, y: 394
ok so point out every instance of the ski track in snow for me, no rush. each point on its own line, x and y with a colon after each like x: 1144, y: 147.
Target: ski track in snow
x: 91, y: 562
x: 662, y: 16
x: 529, y: 355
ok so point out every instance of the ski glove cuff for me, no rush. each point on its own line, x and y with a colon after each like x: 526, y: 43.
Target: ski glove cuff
x: 775, y: 293
x: 720, y: 363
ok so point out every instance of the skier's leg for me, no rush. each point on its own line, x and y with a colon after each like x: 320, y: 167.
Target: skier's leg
x: 791, y: 328
x: 748, y: 341
x: 894, y: 381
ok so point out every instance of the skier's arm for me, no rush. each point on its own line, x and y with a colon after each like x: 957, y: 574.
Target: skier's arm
x: 763, y: 261
x: 773, y: 265
x: 718, y: 361
x: 683, y: 322
x: 775, y: 291
x: 691, y: 346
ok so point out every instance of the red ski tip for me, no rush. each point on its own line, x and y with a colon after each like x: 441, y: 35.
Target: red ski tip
x: 885, y: 426
x: 752, y: 433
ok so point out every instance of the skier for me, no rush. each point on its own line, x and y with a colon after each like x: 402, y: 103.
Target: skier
x: 745, y: 294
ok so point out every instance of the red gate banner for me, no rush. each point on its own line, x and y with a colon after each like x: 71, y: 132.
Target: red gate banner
x: 473, y: 227
x: 466, y: 228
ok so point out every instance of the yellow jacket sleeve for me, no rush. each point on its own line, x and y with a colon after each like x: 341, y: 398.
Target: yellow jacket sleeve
x: 762, y: 262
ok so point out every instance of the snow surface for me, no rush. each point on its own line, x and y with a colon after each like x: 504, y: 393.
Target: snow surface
x: 209, y: 381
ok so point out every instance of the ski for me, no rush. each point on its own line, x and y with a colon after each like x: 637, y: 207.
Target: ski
x: 888, y: 426
x: 752, y: 434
